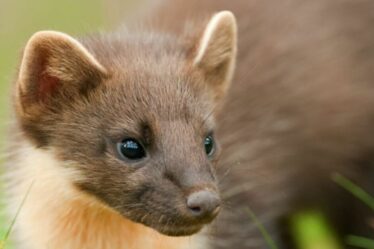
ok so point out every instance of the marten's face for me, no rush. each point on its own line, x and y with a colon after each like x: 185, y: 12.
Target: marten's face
x: 133, y: 120
x: 146, y: 147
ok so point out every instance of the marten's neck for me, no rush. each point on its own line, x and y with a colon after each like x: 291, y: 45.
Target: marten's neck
x: 68, y: 219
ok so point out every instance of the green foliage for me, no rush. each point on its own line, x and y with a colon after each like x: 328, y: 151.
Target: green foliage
x: 366, y: 198
x: 310, y: 229
x: 355, y: 190
x: 360, y: 242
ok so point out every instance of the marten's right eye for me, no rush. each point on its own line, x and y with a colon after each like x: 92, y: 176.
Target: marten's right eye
x: 131, y: 149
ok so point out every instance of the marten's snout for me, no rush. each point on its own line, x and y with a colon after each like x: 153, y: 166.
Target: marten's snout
x: 203, y: 204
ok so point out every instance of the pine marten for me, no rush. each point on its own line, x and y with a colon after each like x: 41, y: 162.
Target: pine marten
x: 140, y: 138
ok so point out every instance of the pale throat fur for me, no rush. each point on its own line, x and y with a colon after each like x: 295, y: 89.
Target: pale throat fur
x: 68, y: 218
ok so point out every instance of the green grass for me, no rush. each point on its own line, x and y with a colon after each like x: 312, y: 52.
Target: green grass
x: 355, y: 190
x: 265, y: 234
x: 364, y: 197
x: 360, y: 242
x: 5, y: 240
x: 310, y: 229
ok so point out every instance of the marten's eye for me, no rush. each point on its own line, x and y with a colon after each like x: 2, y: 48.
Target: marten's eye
x: 131, y: 149
x: 209, y: 145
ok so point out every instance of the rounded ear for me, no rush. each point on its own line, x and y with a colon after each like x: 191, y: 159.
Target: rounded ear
x: 55, y: 64
x: 216, y: 52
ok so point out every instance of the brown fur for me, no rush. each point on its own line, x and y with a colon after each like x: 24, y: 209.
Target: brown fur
x: 301, y: 108
x: 76, y: 101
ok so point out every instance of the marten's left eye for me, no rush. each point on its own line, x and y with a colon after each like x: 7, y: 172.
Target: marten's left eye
x: 209, y: 145
x: 131, y: 149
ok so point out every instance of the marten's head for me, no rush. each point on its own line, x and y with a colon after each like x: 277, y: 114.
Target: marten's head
x: 133, y: 117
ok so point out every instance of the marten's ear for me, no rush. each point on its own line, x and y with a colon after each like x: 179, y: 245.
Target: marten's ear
x: 216, y: 51
x: 55, y: 65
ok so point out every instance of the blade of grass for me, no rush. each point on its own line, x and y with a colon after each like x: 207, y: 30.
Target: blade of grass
x: 7, y: 234
x: 360, y: 242
x: 262, y: 229
x: 366, y: 198
x: 354, y: 189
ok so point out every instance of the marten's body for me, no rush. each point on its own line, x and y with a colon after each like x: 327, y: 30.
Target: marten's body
x: 300, y: 108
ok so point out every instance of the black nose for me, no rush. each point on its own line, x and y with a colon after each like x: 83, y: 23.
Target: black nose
x: 203, y: 203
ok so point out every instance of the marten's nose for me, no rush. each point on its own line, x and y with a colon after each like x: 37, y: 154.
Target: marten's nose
x: 203, y: 204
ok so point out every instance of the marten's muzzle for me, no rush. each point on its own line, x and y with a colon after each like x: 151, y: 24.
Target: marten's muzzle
x: 203, y: 204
